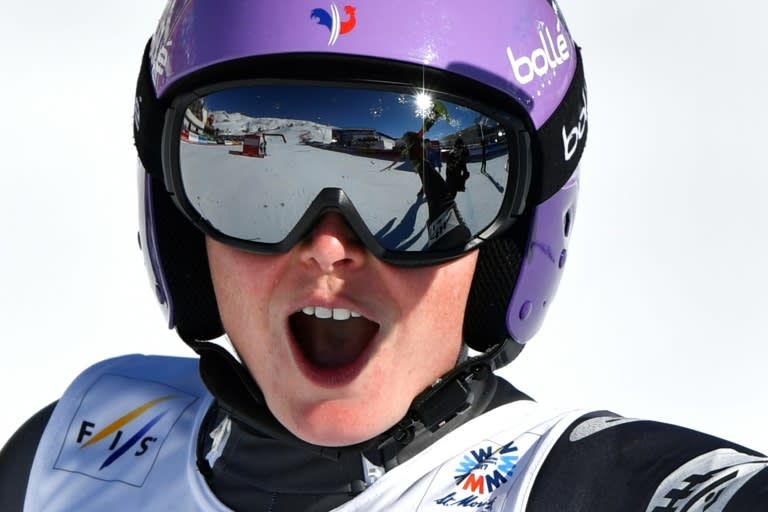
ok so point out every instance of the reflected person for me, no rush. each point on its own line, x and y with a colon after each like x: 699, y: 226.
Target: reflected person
x: 446, y: 227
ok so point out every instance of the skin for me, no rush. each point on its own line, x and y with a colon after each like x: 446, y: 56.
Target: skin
x: 419, y: 312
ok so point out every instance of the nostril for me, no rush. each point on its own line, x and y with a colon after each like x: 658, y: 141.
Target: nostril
x: 330, y: 252
x: 332, y: 244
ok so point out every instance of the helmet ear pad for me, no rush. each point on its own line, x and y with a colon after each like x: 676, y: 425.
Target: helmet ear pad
x: 181, y: 249
x: 177, y: 246
x: 498, y: 265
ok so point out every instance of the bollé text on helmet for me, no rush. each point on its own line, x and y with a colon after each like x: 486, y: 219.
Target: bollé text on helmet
x: 552, y: 53
x: 161, y: 41
x: 572, y: 138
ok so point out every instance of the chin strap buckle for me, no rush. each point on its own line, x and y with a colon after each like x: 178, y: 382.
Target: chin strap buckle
x: 432, y: 409
x: 452, y: 395
x: 443, y: 402
x: 392, y: 441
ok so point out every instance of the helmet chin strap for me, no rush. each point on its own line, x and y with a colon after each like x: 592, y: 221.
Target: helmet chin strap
x: 456, y: 397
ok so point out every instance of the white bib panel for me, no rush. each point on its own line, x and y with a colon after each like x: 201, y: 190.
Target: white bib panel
x: 124, y: 438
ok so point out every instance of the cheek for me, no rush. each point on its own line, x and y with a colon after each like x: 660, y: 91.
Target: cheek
x: 245, y: 286
x: 449, y: 288
x: 242, y: 292
x: 436, y: 315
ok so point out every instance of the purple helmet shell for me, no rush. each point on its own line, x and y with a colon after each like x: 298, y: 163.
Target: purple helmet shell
x: 525, y: 47
x: 543, y: 262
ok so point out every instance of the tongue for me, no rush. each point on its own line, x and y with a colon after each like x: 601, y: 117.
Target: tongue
x: 332, y: 343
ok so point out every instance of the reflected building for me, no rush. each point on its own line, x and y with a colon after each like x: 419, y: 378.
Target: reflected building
x: 359, y: 137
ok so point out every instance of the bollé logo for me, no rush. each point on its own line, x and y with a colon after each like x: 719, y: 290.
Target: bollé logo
x: 552, y: 53
x: 572, y: 138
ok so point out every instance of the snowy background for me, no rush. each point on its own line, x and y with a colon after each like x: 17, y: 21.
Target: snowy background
x: 661, y: 313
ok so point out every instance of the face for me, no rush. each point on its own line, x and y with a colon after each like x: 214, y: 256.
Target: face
x: 345, y: 379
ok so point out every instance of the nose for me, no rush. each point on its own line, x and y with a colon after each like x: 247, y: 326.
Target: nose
x: 332, y: 245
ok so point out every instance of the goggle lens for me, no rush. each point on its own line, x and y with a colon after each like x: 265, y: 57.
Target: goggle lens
x: 405, y: 167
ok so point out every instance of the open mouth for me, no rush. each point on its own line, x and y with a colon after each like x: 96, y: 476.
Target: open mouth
x: 332, y: 339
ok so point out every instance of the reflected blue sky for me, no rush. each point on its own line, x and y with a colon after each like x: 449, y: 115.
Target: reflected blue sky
x: 390, y: 113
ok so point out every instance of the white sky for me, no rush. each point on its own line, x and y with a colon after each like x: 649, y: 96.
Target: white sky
x: 660, y: 313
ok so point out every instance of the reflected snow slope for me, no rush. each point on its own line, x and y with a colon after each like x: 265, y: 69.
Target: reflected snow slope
x: 272, y: 189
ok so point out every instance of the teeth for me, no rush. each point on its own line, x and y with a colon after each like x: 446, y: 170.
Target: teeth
x: 325, y: 313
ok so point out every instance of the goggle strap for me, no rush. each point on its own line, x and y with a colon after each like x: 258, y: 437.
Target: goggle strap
x: 562, y: 138
x: 148, y: 119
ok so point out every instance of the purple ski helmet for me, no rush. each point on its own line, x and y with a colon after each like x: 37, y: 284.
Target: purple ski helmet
x: 526, y: 53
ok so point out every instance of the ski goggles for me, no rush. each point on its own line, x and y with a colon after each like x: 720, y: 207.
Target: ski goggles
x: 420, y: 176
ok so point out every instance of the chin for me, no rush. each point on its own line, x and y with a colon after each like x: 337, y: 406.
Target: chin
x: 333, y: 424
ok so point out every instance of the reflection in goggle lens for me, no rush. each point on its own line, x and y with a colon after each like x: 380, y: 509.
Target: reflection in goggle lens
x: 422, y: 173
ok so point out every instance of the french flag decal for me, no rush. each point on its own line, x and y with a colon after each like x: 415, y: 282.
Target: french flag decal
x: 332, y: 21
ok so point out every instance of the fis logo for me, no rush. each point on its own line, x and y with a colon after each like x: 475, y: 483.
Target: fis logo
x: 332, y: 21
x: 120, y: 427
x: 117, y: 446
